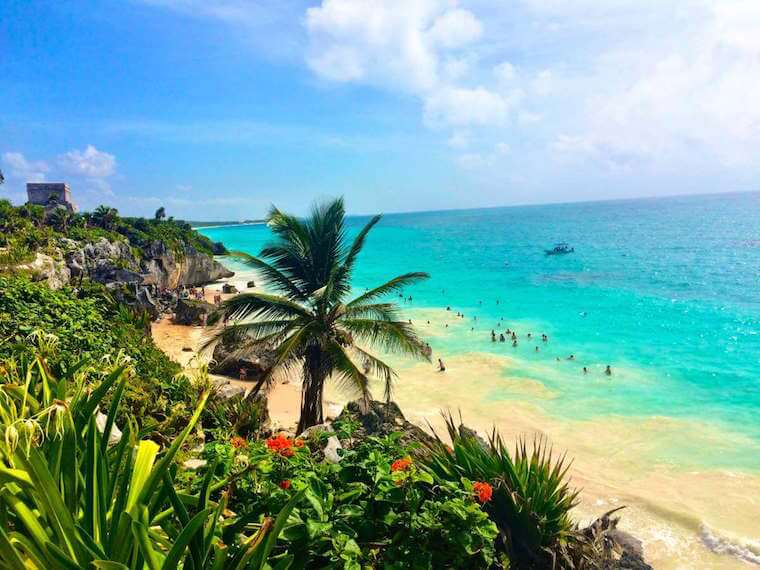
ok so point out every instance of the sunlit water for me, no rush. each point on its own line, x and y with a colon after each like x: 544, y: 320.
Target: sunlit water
x: 665, y: 291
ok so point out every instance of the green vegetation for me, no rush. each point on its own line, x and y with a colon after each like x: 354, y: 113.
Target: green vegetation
x: 97, y: 426
x: 70, y: 500
x: 310, y: 324
x: 26, y: 229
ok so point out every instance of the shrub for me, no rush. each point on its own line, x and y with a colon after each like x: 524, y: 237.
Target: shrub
x: 529, y: 497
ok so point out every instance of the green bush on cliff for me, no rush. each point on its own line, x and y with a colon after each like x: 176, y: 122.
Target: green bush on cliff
x: 88, y: 324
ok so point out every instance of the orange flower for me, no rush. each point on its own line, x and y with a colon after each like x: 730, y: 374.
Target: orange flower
x: 285, y: 484
x: 449, y: 449
x: 237, y: 442
x: 401, y: 464
x: 483, y: 491
x: 298, y: 443
x: 281, y: 445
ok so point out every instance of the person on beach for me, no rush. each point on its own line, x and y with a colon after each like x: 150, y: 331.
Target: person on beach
x: 365, y: 367
x: 441, y: 366
x: 243, y: 374
x: 608, y: 370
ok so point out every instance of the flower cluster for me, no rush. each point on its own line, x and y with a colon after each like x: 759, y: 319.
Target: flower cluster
x: 285, y: 484
x: 401, y: 464
x: 237, y: 442
x: 282, y: 445
x: 483, y: 491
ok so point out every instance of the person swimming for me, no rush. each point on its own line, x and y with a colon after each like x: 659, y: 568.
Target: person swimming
x: 530, y: 335
x: 608, y: 370
x: 537, y: 349
x: 571, y: 357
x: 514, y: 343
x: 585, y: 370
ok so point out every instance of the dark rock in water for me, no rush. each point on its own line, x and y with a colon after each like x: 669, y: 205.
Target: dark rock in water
x: 251, y: 284
x: 227, y: 360
x: 615, y: 549
x: 228, y: 288
x: 380, y: 419
x: 192, y: 312
x: 218, y: 248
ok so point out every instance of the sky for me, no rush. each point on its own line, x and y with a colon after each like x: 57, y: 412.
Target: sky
x: 216, y: 110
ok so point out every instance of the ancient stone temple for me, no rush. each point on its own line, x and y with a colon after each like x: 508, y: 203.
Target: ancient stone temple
x: 50, y: 195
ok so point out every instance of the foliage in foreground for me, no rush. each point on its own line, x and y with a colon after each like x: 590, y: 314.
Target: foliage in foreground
x: 88, y: 324
x: 69, y: 500
x: 378, y: 507
x: 531, y: 500
x: 310, y: 324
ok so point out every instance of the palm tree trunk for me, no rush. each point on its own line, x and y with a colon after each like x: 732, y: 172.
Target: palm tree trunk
x: 312, y: 390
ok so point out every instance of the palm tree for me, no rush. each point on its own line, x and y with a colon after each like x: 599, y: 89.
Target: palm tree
x: 307, y: 321
x: 60, y: 218
x: 105, y: 216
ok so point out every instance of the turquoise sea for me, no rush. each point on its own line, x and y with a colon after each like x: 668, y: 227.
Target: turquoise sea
x: 666, y: 291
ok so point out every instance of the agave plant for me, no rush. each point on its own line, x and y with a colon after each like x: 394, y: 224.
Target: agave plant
x: 532, y: 498
x: 69, y: 500
x: 309, y: 322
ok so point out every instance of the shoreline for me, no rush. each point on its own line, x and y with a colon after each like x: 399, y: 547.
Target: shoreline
x: 684, y: 518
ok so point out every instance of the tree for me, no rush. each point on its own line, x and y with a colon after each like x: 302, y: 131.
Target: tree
x: 60, y: 218
x: 160, y: 214
x: 105, y: 217
x: 307, y: 322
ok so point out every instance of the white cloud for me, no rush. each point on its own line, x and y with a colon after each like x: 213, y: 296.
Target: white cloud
x: 23, y: 169
x: 505, y: 72
x: 455, y: 28
x: 89, y: 162
x: 459, y: 140
x: 457, y: 106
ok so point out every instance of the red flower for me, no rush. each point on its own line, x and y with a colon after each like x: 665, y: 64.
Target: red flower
x: 285, y: 484
x: 237, y: 442
x: 281, y: 445
x: 401, y: 464
x: 483, y: 491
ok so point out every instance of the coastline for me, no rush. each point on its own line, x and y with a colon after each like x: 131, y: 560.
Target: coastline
x: 685, y: 519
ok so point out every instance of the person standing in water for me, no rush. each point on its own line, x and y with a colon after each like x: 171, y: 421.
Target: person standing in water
x: 608, y: 370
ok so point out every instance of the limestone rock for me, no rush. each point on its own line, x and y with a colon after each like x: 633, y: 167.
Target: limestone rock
x: 45, y: 268
x: 380, y: 419
x: 331, y: 450
x: 227, y: 361
x: 228, y: 289
x: 192, y: 312
x: 251, y: 284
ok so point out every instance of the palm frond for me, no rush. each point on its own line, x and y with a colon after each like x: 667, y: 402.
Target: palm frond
x: 271, y: 276
x: 377, y: 368
x: 261, y: 306
x: 347, y: 374
x: 393, y: 336
x: 379, y: 311
x: 343, y: 274
x: 393, y: 286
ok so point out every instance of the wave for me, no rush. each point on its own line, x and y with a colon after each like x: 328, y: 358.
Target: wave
x: 745, y: 550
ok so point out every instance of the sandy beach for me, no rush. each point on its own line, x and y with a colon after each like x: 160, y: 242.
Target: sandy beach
x: 685, y: 519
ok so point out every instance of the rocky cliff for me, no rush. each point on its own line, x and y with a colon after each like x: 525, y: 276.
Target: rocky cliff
x: 116, y: 264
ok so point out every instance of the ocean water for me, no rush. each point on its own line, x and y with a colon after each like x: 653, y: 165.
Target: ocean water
x: 666, y: 291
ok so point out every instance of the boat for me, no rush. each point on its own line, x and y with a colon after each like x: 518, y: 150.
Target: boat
x: 560, y: 249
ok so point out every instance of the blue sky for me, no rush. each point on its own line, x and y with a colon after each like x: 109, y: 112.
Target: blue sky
x: 218, y: 109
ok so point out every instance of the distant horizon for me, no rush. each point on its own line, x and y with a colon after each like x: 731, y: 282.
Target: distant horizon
x: 349, y: 214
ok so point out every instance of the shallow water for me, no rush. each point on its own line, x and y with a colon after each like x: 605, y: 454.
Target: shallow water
x: 663, y: 290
